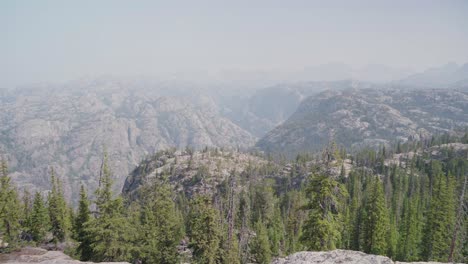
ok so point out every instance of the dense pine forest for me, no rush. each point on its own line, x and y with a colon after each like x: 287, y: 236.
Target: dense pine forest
x: 403, y: 202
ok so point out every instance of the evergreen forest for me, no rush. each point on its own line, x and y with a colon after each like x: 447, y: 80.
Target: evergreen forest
x: 412, y: 209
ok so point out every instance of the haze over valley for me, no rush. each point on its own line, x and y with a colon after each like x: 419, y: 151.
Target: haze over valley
x: 239, y: 132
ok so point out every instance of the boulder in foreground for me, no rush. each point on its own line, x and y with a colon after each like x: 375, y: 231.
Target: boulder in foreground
x: 338, y: 256
x: 42, y: 256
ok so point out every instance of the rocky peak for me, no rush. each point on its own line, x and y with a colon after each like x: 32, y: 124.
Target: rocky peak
x: 192, y: 171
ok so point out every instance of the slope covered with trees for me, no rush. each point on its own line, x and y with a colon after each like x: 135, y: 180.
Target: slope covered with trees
x: 407, y: 202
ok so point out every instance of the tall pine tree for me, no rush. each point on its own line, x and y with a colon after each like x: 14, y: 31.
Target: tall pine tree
x: 58, y: 211
x: 161, y: 225
x: 409, y: 239
x: 83, y: 216
x: 322, y: 229
x: 9, y: 209
x: 440, y: 217
x: 376, y: 223
x: 109, y: 233
x: 39, y: 219
x: 260, y: 246
x: 204, y: 231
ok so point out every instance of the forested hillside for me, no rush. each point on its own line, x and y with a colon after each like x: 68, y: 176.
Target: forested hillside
x: 407, y: 202
x: 233, y: 132
x: 68, y: 125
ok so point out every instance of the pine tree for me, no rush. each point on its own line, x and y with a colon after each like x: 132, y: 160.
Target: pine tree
x: 109, y: 233
x: 26, y: 208
x: 276, y: 233
x: 39, y: 219
x: 408, y: 242
x: 231, y: 253
x: 161, y: 225
x: 392, y: 239
x: 204, y: 231
x: 58, y: 211
x: 356, y: 212
x: 376, y: 223
x: 458, y: 230
x: 260, y: 247
x: 321, y: 230
x: 294, y: 222
x: 83, y: 216
x: 9, y: 209
x: 263, y: 201
x: 440, y: 218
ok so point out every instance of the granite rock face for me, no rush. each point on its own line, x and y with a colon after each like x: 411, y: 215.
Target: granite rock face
x: 359, y: 118
x: 338, y: 257
x: 193, y: 172
x: 67, y: 128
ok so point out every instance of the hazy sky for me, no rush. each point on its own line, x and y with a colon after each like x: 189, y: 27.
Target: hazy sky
x: 60, y: 40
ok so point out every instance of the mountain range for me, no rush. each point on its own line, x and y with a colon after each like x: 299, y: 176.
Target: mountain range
x: 68, y: 130
x: 67, y: 126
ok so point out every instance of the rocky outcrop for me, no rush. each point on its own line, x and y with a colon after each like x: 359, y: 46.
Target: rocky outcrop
x: 42, y: 256
x: 363, y: 117
x: 338, y: 257
x: 193, y: 171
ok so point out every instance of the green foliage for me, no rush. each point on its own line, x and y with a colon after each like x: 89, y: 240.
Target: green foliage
x: 321, y: 230
x: 355, y: 214
x: 39, y: 219
x: 260, y: 247
x: 376, y: 223
x: 82, y: 218
x: 263, y: 201
x: 276, y: 233
x: 109, y: 234
x: 294, y: 221
x: 26, y: 210
x: 230, y: 253
x: 161, y: 225
x: 9, y: 209
x: 409, y: 211
x: 440, y: 217
x: 58, y: 211
x: 410, y: 232
x: 204, y: 231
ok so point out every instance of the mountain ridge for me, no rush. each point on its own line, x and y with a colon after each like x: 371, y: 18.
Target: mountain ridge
x: 364, y: 117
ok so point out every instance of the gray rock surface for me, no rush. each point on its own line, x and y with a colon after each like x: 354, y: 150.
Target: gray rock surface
x: 67, y: 128
x: 362, y: 117
x: 42, y: 256
x: 195, y: 172
x: 332, y: 257
x: 338, y: 257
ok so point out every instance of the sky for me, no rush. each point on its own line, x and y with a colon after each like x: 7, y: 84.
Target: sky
x: 61, y: 40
